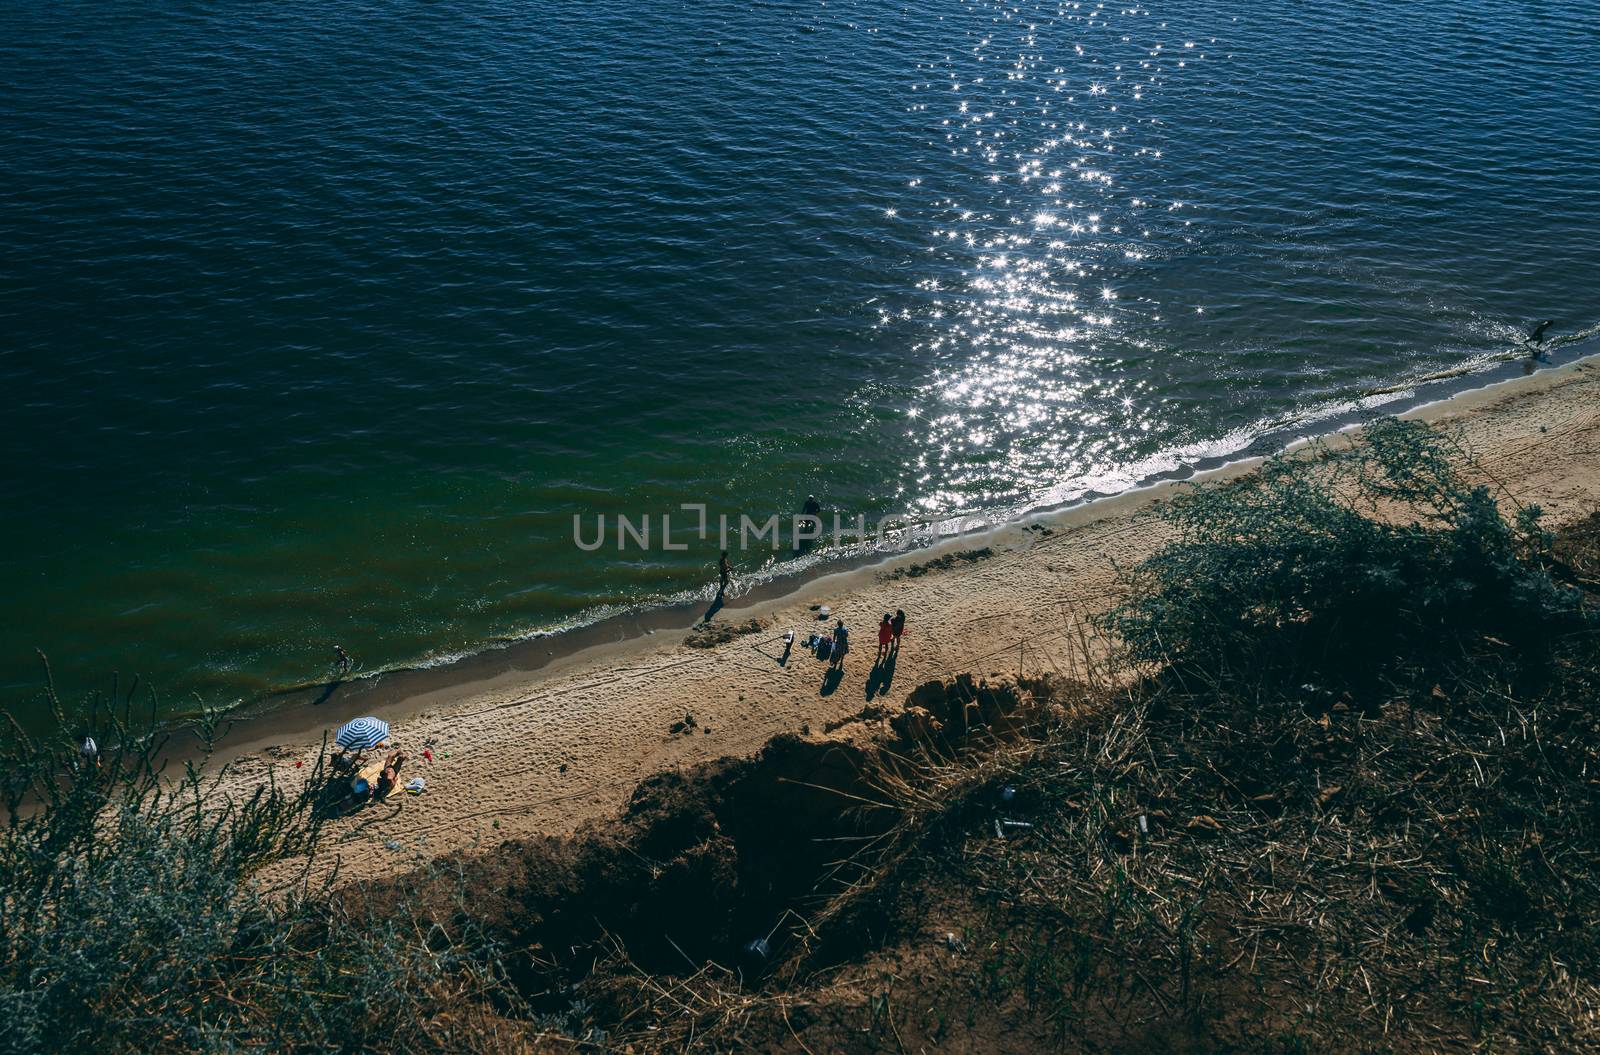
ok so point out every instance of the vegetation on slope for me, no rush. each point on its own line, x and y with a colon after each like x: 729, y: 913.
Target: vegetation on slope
x: 1339, y: 792
x: 129, y: 920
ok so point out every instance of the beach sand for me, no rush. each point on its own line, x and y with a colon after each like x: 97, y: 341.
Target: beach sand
x: 525, y: 753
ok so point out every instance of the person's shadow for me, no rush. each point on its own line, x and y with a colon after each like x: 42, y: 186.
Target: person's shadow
x: 782, y: 658
x: 328, y: 690
x: 881, y: 678
x: 334, y: 799
x: 831, y: 679
x: 716, y: 606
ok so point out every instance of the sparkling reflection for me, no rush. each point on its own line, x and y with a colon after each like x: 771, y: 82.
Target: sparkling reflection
x: 1041, y: 223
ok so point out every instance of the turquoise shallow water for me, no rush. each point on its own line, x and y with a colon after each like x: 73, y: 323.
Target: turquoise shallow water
x: 320, y: 322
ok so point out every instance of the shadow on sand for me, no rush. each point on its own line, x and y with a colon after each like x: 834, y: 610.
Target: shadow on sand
x: 336, y: 799
x: 781, y: 658
x: 881, y: 678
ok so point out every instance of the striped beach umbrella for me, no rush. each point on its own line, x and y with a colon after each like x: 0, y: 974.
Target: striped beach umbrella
x: 361, y: 733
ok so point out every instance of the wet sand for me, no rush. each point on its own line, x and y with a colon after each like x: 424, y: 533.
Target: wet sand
x: 519, y: 751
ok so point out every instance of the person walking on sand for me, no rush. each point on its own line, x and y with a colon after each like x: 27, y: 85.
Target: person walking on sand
x: 841, y: 645
x: 897, y: 626
x: 724, y: 573
x: 885, y: 635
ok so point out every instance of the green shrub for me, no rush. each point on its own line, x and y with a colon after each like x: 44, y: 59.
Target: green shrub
x: 130, y: 918
x: 1384, y: 551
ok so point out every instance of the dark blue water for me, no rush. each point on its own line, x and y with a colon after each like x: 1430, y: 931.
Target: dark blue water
x: 320, y: 322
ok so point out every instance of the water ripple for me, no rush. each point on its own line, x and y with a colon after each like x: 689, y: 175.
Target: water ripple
x: 321, y: 321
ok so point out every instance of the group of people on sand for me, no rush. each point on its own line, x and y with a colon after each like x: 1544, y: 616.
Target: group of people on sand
x: 348, y: 763
x: 890, y: 629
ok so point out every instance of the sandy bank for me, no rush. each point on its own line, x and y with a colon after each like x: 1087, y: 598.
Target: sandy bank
x: 523, y: 753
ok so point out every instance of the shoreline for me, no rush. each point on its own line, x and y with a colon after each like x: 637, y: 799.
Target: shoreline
x: 297, y: 712
x: 519, y: 753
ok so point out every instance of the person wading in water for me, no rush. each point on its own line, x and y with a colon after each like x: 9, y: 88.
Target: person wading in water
x: 810, y: 525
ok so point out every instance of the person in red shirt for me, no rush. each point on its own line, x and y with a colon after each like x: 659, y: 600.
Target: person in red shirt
x: 885, y: 635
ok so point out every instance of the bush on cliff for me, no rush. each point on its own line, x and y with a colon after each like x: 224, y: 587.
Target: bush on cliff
x: 1337, y: 565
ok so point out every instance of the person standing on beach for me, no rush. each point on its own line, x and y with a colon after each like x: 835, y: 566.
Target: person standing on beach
x: 725, y: 573
x: 885, y: 635
x: 841, y: 645
x: 897, y: 626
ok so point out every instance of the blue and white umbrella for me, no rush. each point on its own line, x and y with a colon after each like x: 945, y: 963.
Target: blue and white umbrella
x: 358, y: 734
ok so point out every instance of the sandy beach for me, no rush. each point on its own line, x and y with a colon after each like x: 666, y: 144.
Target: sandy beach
x: 520, y: 753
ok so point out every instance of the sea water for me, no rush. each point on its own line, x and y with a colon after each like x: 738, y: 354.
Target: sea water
x: 319, y: 323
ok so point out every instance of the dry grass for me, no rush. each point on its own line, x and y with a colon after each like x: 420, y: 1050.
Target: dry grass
x: 1108, y: 858
x: 712, y: 634
x: 1292, y: 872
x: 944, y: 563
